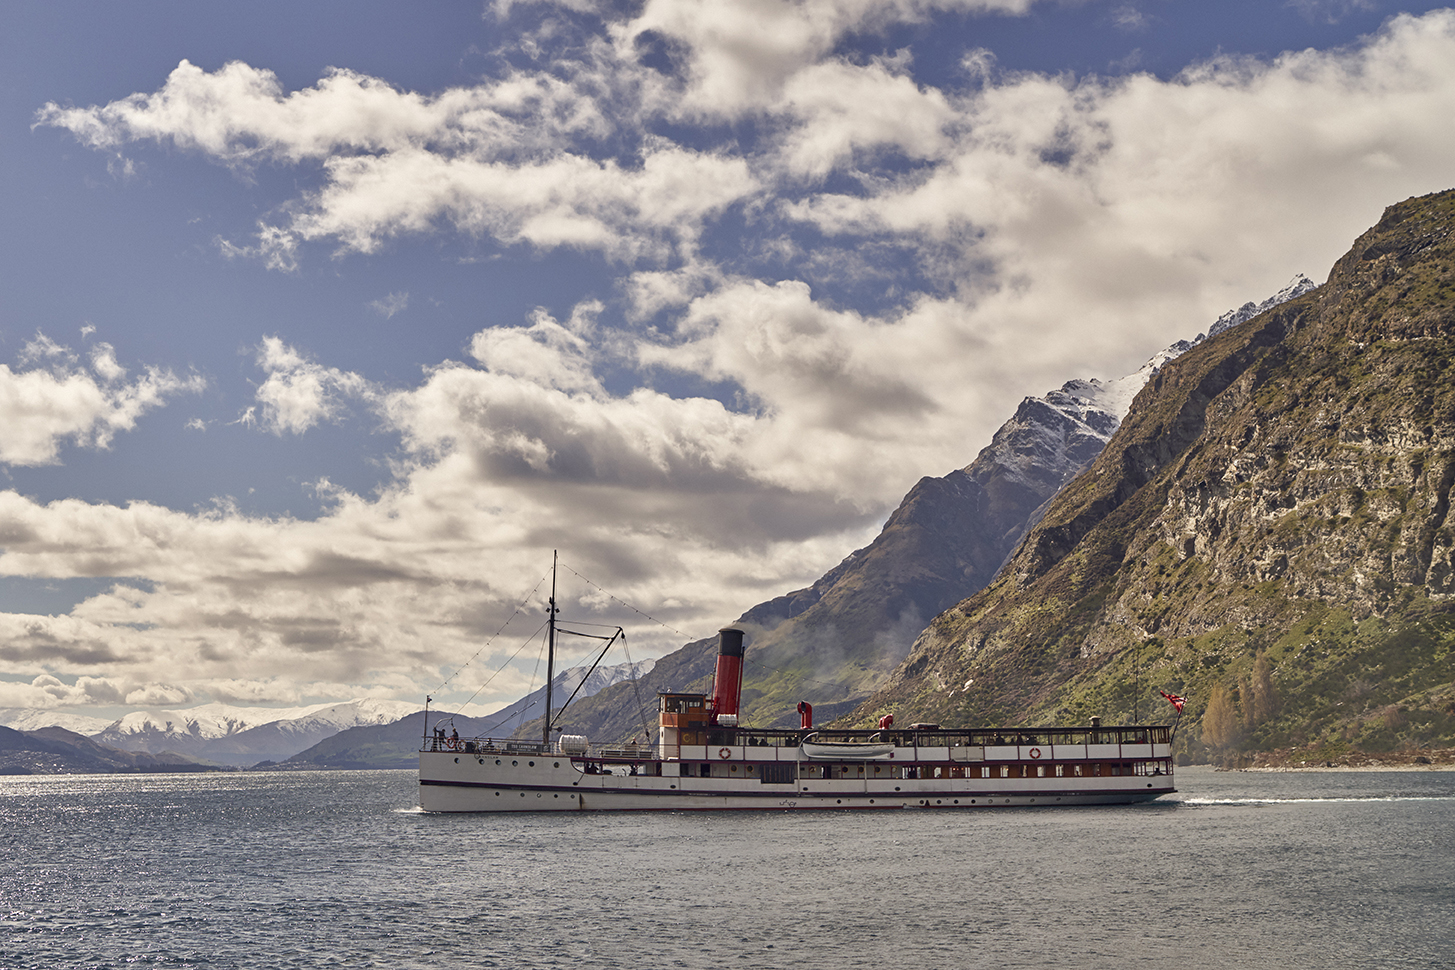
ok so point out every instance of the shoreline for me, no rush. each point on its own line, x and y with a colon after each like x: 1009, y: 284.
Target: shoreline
x: 1429, y: 759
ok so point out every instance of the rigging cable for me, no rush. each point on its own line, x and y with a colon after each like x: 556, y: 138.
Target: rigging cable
x: 626, y: 604
x: 487, y: 643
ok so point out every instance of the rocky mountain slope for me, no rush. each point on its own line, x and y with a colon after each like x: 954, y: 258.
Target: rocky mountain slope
x: 837, y: 641
x: 1268, y: 533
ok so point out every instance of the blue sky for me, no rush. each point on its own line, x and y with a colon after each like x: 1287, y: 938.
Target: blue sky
x: 324, y: 324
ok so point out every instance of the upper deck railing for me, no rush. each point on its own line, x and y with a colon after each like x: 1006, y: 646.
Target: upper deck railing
x: 909, y: 737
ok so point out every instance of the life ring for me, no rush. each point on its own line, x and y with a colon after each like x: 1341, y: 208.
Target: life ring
x: 1035, y: 752
x: 452, y: 743
x: 724, y: 753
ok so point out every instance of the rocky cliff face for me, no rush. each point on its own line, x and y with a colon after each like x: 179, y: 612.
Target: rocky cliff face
x: 838, y: 640
x: 1268, y: 530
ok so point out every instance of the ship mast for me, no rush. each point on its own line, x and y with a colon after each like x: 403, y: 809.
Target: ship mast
x: 550, y: 651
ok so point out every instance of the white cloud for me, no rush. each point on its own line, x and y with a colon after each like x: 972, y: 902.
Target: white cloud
x: 837, y: 108
x: 488, y: 160
x: 42, y: 408
x: 388, y: 306
x: 740, y: 54
x: 47, y: 691
x: 1330, y: 11
x: 159, y: 695
x: 1106, y: 208
x: 300, y: 393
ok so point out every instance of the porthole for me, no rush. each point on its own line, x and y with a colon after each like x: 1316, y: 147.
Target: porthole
x: 482, y: 761
x: 515, y: 764
x: 531, y: 763
x: 556, y: 765
x: 457, y: 761
x: 497, y: 761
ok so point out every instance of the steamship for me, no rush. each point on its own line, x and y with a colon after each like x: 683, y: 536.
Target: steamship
x: 703, y: 759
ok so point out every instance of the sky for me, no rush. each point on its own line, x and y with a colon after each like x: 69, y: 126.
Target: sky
x: 323, y: 325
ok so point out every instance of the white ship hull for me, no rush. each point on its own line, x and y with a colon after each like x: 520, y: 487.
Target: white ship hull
x: 503, y: 782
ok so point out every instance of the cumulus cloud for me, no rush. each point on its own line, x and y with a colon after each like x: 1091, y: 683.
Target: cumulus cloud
x: 61, y: 400
x: 159, y: 695
x: 740, y: 54
x: 489, y: 160
x: 300, y: 393
x: 48, y: 691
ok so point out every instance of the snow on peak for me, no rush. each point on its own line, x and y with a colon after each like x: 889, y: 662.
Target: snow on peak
x: 216, y: 720
x: 1296, y: 287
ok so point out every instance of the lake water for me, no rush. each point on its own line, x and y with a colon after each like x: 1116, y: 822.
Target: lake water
x: 338, y: 869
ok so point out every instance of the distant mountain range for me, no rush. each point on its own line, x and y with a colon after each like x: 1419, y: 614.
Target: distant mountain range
x: 396, y: 745
x: 54, y: 751
x: 360, y: 733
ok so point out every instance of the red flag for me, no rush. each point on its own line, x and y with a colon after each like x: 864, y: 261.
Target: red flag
x: 1174, y: 700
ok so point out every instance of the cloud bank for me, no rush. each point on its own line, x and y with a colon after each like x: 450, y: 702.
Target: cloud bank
x: 855, y: 273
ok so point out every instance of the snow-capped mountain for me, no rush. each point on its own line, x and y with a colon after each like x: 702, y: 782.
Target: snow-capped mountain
x: 246, y: 735
x: 36, y: 718
x: 1300, y: 285
x: 1055, y: 435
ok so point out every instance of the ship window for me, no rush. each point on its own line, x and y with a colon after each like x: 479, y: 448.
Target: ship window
x: 1005, y: 771
x: 1096, y: 771
x: 1060, y: 771
x: 984, y: 772
x: 1040, y: 771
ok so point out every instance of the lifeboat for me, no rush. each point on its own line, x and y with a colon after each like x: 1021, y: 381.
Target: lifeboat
x: 846, y: 750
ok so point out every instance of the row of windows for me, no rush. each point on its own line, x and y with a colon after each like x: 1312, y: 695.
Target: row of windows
x: 783, y: 772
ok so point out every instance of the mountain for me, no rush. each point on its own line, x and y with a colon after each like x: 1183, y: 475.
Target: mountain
x: 56, y: 751
x: 35, y: 718
x: 242, y: 735
x: 1267, y: 533
x: 396, y: 744
x: 837, y: 641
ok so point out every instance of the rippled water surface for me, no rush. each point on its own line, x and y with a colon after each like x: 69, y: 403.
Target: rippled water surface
x: 339, y: 870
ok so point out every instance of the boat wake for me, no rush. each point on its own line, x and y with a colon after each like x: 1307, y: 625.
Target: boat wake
x: 1330, y: 800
